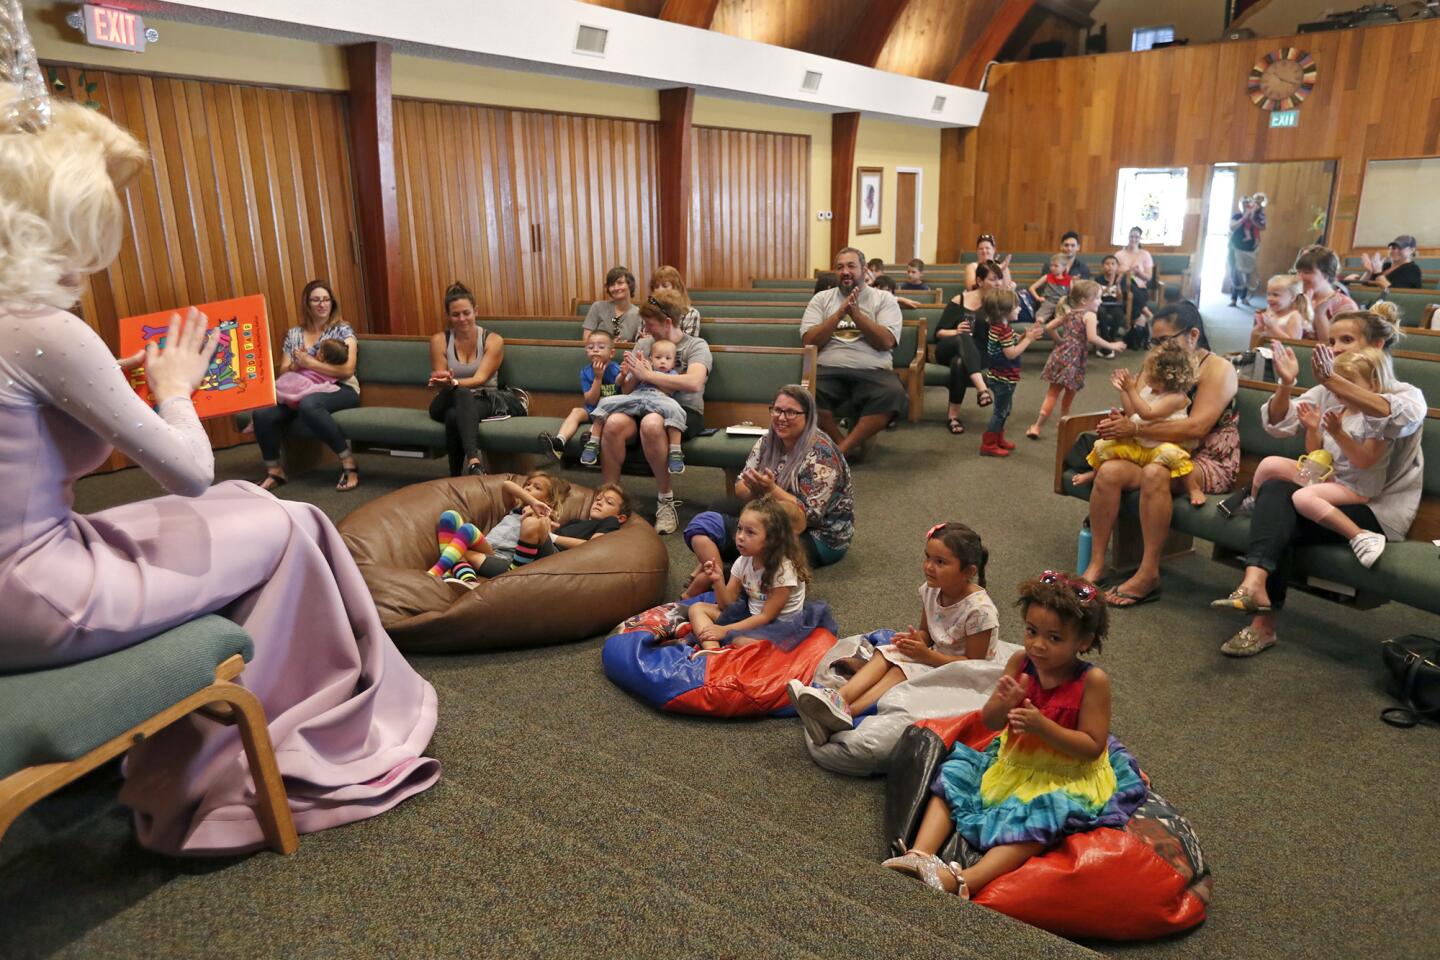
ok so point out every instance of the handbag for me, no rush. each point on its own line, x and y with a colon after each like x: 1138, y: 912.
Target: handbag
x: 1413, y: 663
x: 502, y: 402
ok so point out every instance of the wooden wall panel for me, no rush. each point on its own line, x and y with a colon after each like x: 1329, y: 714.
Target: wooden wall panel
x: 815, y: 26
x: 248, y: 191
x: 932, y: 36
x: 749, y: 206
x: 1031, y: 171
x: 528, y: 209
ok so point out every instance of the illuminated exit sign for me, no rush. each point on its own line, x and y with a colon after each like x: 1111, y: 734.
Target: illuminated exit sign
x: 1284, y: 118
x: 121, y: 29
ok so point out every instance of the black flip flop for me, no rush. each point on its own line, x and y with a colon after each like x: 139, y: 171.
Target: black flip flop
x: 1135, y: 601
x: 956, y: 427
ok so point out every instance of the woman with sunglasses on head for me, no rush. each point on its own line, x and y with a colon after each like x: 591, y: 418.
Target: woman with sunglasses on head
x: 321, y: 321
x: 618, y: 314
x: 796, y: 464
x: 1211, y: 425
x: 985, y: 252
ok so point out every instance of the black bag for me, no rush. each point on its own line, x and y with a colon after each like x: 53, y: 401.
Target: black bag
x: 1413, y: 663
x: 502, y: 402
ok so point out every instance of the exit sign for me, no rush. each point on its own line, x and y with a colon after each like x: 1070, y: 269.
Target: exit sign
x: 1284, y: 118
x: 121, y: 29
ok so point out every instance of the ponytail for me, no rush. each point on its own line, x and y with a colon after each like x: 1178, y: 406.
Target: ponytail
x: 1080, y: 291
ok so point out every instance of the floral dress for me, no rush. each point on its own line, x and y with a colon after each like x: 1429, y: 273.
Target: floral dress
x: 1022, y: 790
x: 1066, y: 366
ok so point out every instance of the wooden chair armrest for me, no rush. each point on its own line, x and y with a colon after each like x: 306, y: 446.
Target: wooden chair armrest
x: 1070, y: 429
x: 917, y: 362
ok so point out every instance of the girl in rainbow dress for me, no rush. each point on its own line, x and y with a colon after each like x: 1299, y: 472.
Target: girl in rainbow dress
x: 1054, y: 769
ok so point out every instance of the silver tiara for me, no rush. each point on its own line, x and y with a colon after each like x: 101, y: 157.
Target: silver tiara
x: 24, y: 99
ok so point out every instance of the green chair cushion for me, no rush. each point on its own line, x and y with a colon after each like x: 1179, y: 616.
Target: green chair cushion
x: 399, y: 425
x: 47, y: 716
x: 720, y: 449
x: 521, y: 434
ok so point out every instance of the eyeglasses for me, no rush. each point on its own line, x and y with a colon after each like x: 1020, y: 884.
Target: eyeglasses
x: 1083, y: 589
x: 1161, y: 341
x: 785, y: 413
x: 986, y: 238
x: 320, y: 300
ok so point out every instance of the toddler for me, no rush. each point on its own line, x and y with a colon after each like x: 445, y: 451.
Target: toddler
x: 1163, y: 394
x: 764, y: 597
x: 1048, y: 290
x: 646, y: 398
x: 1359, y: 454
x: 1065, y: 370
x: 1052, y: 771
x: 1287, y: 310
x: 958, y: 621
x: 999, y: 308
x: 597, y: 381
x: 298, y: 383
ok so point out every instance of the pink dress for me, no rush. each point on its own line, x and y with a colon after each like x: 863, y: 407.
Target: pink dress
x: 292, y: 386
x: 348, y: 716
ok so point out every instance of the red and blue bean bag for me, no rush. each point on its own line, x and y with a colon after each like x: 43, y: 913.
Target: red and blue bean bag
x: 1144, y: 881
x: 746, y: 681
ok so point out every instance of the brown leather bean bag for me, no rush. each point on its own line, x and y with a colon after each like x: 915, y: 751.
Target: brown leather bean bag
x: 570, y: 596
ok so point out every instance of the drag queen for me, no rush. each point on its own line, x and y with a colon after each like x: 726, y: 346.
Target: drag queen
x: 348, y: 716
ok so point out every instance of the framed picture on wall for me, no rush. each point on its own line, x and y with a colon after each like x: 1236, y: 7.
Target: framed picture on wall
x: 868, y: 200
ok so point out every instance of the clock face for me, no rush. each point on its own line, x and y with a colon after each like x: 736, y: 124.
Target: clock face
x: 1281, y: 80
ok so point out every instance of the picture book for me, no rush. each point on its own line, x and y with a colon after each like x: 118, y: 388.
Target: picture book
x: 242, y: 373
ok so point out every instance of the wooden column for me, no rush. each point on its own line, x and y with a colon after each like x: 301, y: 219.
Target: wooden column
x: 676, y: 107
x: 372, y: 146
x: 844, y: 132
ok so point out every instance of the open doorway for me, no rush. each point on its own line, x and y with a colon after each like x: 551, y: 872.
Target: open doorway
x: 1297, y: 214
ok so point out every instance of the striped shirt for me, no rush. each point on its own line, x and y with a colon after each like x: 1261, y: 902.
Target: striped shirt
x: 999, y: 366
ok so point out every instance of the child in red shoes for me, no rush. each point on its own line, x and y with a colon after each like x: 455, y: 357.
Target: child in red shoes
x: 1000, y: 308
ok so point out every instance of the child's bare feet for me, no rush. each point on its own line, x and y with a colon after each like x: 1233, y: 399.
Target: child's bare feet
x: 1081, y: 479
x: 1197, y: 497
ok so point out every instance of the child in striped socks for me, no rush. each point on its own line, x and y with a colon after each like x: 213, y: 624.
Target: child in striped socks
x: 521, y: 537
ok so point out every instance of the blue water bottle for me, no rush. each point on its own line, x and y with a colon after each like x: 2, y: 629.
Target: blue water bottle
x: 1082, y: 550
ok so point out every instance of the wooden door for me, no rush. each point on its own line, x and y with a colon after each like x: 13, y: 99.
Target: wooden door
x: 907, y: 199
x: 1296, y: 209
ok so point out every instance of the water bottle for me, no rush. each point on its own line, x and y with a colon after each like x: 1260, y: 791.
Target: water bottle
x: 1082, y: 551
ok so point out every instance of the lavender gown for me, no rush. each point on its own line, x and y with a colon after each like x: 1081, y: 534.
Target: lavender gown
x: 348, y: 716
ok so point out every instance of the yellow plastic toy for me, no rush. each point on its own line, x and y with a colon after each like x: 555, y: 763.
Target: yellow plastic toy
x: 1316, y: 466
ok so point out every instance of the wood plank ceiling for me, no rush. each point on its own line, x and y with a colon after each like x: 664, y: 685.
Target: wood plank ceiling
x: 930, y: 39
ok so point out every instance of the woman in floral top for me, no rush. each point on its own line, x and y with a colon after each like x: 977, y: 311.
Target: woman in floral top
x: 796, y: 464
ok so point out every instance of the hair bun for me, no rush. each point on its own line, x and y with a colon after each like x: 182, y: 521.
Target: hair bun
x: 1387, y: 311
x: 457, y: 289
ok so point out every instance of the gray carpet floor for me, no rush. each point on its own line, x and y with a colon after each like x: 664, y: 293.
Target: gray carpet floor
x: 572, y: 821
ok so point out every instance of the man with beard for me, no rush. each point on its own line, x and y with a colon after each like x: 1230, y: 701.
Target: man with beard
x: 855, y: 327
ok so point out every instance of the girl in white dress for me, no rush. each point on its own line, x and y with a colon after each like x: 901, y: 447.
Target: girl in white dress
x: 958, y: 621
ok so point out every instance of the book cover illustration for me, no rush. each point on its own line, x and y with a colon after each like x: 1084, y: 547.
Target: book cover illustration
x: 241, y: 375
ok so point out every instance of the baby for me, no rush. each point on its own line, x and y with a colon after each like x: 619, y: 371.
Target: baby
x: 296, y: 384
x: 644, y: 399
x: 1166, y: 378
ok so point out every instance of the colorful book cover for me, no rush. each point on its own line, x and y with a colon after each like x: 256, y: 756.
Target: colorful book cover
x: 242, y: 373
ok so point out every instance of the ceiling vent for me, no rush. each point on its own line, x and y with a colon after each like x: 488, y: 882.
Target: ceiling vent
x: 591, y: 40
x: 938, y: 106
x: 811, y: 83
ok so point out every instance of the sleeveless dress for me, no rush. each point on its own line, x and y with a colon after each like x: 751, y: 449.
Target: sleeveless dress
x: 348, y: 716
x: 1217, y: 457
x: 1022, y: 790
x: 1066, y: 365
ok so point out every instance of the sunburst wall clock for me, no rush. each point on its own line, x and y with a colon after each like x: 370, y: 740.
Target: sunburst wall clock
x: 1283, y: 79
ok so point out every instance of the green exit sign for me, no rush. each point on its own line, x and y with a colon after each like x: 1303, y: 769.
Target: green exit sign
x: 1284, y: 118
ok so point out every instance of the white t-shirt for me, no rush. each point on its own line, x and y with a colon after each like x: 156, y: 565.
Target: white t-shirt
x: 847, y: 349
x: 749, y: 573
x: 949, y: 626
x: 1150, y: 396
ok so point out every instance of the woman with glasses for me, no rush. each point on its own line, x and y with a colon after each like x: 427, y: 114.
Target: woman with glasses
x: 299, y: 351
x: 796, y: 464
x: 1212, y: 425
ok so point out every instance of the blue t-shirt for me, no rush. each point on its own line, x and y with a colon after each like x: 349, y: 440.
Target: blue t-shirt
x: 607, y: 382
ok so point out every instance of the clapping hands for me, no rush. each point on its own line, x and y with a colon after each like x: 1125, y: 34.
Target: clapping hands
x: 1287, y: 367
x: 759, y: 482
x: 913, y: 644
x: 1122, y: 380
x: 1334, y: 422
x: 1026, y: 718
x: 1309, y: 415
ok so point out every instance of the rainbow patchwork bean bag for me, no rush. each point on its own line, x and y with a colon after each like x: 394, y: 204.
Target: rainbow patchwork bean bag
x: 746, y: 681
x: 1144, y: 880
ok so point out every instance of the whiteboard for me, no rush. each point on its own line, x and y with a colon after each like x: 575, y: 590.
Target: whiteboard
x: 1399, y: 196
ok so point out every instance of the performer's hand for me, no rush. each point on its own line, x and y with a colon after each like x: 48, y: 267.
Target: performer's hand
x: 177, y: 369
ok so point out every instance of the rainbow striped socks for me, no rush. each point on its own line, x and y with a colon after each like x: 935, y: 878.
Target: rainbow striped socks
x: 454, y: 537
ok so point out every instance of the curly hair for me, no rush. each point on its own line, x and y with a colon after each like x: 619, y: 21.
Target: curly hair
x: 61, y: 216
x: 1169, y: 365
x: 1091, y: 617
x: 964, y: 545
x: 781, y: 543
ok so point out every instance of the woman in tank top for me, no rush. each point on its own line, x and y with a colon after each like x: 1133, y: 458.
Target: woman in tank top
x: 463, y: 359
